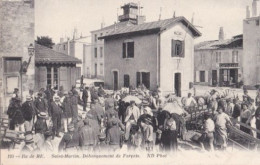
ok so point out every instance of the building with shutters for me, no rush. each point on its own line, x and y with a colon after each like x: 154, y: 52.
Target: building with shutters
x: 159, y: 53
x: 55, y: 69
x: 219, y: 62
x: 16, y: 36
x: 251, y: 45
x: 131, y: 16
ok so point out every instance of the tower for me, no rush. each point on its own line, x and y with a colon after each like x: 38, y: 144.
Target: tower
x: 132, y: 13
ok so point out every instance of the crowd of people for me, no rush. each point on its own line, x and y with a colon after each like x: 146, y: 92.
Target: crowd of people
x: 107, y: 122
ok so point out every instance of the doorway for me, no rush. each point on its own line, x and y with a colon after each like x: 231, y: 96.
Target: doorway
x: 177, y: 84
x: 126, y: 81
x: 115, y: 81
x: 214, y: 77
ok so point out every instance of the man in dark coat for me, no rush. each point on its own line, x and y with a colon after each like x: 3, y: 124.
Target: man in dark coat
x: 87, y: 136
x: 40, y: 103
x: 74, y: 105
x: 67, y: 110
x: 236, y: 111
x: 70, y: 140
x: 56, y: 113
x: 28, y: 113
x: 85, y: 98
x: 49, y: 96
x: 15, y: 114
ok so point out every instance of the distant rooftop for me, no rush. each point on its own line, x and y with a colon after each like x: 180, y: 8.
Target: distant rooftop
x: 234, y: 42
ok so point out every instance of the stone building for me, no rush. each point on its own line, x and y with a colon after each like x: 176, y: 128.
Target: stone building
x: 16, y: 35
x: 251, y: 45
x: 159, y: 53
x: 219, y: 62
x: 131, y: 16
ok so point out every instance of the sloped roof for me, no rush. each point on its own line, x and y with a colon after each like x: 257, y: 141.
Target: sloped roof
x: 112, y: 27
x: 235, y: 42
x: 45, y: 55
x: 152, y: 26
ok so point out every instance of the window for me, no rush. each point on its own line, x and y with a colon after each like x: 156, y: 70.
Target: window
x: 95, y: 37
x: 128, y: 49
x: 202, y: 76
x: 101, y: 68
x: 235, y: 56
x: 218, y: 57
x: 12, y: 65
x: 95, y: 52
x: 53, y: 77
x: 202, y: 58
x: 101, y: 52
x: 126, y: 81
x: 177, y: 48
x: 257, y: 22
x: 64, y: 47
x: 143, y: 78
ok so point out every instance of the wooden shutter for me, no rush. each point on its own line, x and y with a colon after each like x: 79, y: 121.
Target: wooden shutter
x: 206, y: 76
x: 63, y: 78
x: 124, y: 50
x: 173, y: 47
x: 130, y: 49
x: 197, y: 76
x: 138, y: 78
x: 183, y: 49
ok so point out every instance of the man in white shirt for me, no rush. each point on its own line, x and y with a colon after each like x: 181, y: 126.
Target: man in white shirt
x: 190, y: 101
x: 132, y: 115
x: 207, y: 135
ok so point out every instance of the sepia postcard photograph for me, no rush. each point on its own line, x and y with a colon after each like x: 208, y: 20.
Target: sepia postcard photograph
x: 129, y: 82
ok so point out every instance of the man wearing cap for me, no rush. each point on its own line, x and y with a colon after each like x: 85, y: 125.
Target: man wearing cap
x: 56, y: 112
x: 221, y: 120
x: 208, y: 132
x: 74, y: 105
x: 85, y: 98
x: 67, y: 110
x: 70, y: 140
x: 28, y: 113
x: 87, y: 136
x: 40, y: 103
x: 47, y: 145
x: 29, y: 146
x: 113, y: 138
x: 132, y: 115
x: 110, y: 111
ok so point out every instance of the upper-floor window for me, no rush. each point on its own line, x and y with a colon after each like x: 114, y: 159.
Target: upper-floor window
x: 101, y: 52
x: 177, y: 48
x: 101, y: 68
x: 128, y: 49
x: 95, y: 52
x: 218, y: 57
x: 235, y: 56
x: 95, y: 37
x: 64, y: 47
x: 202, y: 58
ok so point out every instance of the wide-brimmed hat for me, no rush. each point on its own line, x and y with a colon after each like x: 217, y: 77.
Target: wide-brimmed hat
x: 43, y: 115
x: 145, y: 102
x: 71, y: 127
x: 28, y: 98
x: 56, y: 97
x: 28, y: 138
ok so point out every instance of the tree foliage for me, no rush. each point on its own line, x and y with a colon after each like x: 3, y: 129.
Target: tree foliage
x: 45, y: 41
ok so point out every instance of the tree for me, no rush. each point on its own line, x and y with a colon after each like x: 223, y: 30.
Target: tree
x: 45, y: 41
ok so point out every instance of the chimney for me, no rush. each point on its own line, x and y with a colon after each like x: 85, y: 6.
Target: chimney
x: 221, y: 34
x: 247, y: 12
x: 254, y: 8
x: 61, y: 40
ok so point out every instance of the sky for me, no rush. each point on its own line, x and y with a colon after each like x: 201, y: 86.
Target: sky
x: 58, y: 18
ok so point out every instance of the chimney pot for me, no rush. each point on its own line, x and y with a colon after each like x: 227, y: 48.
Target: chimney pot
x: 221, y: 34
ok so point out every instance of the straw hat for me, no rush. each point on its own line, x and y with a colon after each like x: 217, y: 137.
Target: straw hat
x: 43, y: 115
x: 28, y: 138
x: 28, y: 98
